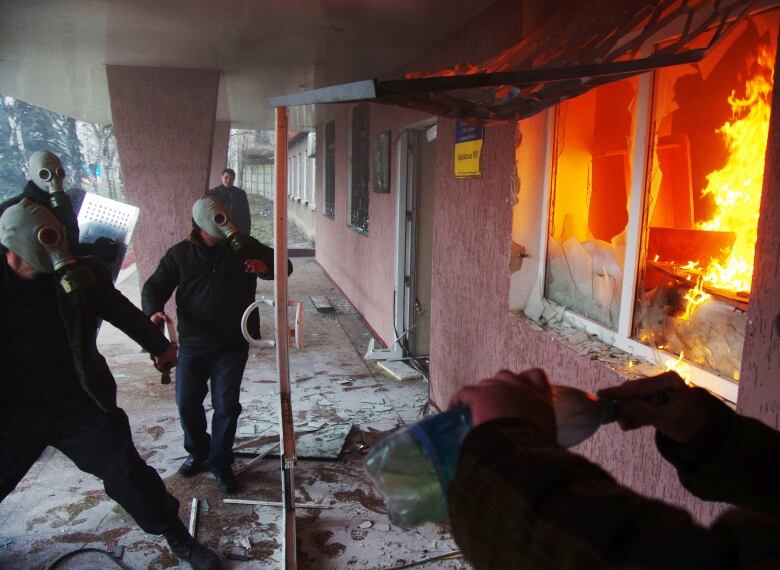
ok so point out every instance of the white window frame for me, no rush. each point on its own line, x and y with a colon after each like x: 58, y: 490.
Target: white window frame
x: 290, y: 176
x: 312, y: 169
x: 621, y: 338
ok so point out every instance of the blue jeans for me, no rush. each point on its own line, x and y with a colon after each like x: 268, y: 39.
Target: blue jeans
x: 225, y: 367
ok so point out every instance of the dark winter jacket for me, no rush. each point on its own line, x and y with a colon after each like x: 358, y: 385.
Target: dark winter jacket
x: 212, y: 287
x: 235, y: 200
x: 81, y: 311
x: 519, y: 500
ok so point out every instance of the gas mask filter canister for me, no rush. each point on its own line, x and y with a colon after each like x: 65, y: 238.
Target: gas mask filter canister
x: 213, y: 217
x: 34, y: 234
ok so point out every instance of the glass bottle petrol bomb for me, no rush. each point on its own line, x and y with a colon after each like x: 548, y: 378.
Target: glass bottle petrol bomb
x: 413, y: 467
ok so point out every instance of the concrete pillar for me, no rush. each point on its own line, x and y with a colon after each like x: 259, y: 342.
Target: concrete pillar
x: 164, y: 125
x: 219, y: 152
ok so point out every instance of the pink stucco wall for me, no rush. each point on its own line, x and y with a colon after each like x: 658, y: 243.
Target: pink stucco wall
x: 759, y: 389
x: 219, y: 152
x: 164, y: 136
x: 363, y: 266
x: 473, y: 332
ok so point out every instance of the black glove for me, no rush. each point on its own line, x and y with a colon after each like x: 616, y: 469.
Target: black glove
x: 106, y: 249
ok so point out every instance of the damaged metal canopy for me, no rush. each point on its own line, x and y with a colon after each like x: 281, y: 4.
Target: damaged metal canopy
x: 581, y: 45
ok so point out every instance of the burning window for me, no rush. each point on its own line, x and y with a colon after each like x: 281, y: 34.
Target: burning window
x: 704, y: 189
x: 591, y: 182
x: 678, y: 233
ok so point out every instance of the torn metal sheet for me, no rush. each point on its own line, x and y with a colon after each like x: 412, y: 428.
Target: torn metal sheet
x: 579, y: 46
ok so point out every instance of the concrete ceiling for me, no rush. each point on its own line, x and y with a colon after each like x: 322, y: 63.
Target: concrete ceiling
x: 53, y: 53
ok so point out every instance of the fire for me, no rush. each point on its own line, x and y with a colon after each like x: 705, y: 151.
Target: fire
x: 695, y: 297
x: 736, y: 188
x: 678, y: 365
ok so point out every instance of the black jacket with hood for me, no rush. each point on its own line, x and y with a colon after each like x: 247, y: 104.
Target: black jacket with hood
x: 81, y: 311
x: 212, y: 287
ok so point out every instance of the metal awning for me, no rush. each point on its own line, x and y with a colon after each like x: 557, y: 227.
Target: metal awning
x: 580, y: 46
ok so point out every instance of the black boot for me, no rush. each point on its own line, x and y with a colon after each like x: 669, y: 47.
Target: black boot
x: 187, y: 548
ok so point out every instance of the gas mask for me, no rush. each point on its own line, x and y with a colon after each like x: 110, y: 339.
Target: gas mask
x: 46, y: 172
x: 213, y: 217
x: 34, y: 234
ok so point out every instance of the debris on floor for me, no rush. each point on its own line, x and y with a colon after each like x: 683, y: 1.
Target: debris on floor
x: 342, y: 405
x: 321, y: 304
x: 399, y: 370
x: 313, y: 439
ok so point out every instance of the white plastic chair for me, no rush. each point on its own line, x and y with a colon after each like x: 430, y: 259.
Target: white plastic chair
x: 295, y: 333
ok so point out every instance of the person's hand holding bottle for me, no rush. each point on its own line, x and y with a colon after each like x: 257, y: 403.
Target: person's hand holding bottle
x: 527, y: 395
x: 664, y: 402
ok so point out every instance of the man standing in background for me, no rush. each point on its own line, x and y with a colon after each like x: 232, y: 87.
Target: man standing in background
x: 234, y: 199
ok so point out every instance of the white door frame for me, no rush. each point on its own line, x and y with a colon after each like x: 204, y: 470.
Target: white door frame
x: 407, y: 187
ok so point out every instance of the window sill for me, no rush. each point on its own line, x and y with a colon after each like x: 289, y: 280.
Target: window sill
x: 626, y: 356
x: 358, y: 230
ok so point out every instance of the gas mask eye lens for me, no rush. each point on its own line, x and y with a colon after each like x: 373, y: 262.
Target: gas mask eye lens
x: 48, y: 236
x: 60, y: 172
x: 44, y: 174
x: 220, y: 219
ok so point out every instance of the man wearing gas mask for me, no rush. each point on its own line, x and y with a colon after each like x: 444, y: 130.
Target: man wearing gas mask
x: 56, y: 388
x: 214, y: 272
x: 44, y: 187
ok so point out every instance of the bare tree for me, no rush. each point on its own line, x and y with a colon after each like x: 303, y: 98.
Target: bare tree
x: 240, y: 141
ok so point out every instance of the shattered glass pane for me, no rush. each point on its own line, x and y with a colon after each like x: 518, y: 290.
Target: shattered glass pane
x: 590, y: 194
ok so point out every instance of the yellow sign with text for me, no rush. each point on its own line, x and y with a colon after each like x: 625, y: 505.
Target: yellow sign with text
x: 468, y: 150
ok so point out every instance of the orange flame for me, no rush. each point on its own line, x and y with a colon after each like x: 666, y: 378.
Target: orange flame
x: 736, y: 188
x: 695, y: 297
x: 678, y: 365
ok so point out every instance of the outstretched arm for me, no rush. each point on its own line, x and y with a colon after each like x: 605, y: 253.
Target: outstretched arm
x: 719, y: 455
x: 120, y: 312
x: 160, y: 286
x: 519, y: 499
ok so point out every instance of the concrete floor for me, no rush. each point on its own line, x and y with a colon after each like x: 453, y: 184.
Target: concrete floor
x: 57, y: 508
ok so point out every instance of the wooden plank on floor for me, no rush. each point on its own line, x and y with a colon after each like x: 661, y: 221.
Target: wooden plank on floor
x: 321, y: 304
x: 399, y: 370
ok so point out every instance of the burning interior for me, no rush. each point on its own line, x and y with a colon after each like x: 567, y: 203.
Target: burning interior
x: 700, y: 195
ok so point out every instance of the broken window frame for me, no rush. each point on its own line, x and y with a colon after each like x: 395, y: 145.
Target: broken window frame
x: 358, y: 172
x: 621, y: 338
x: 329, y: 170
